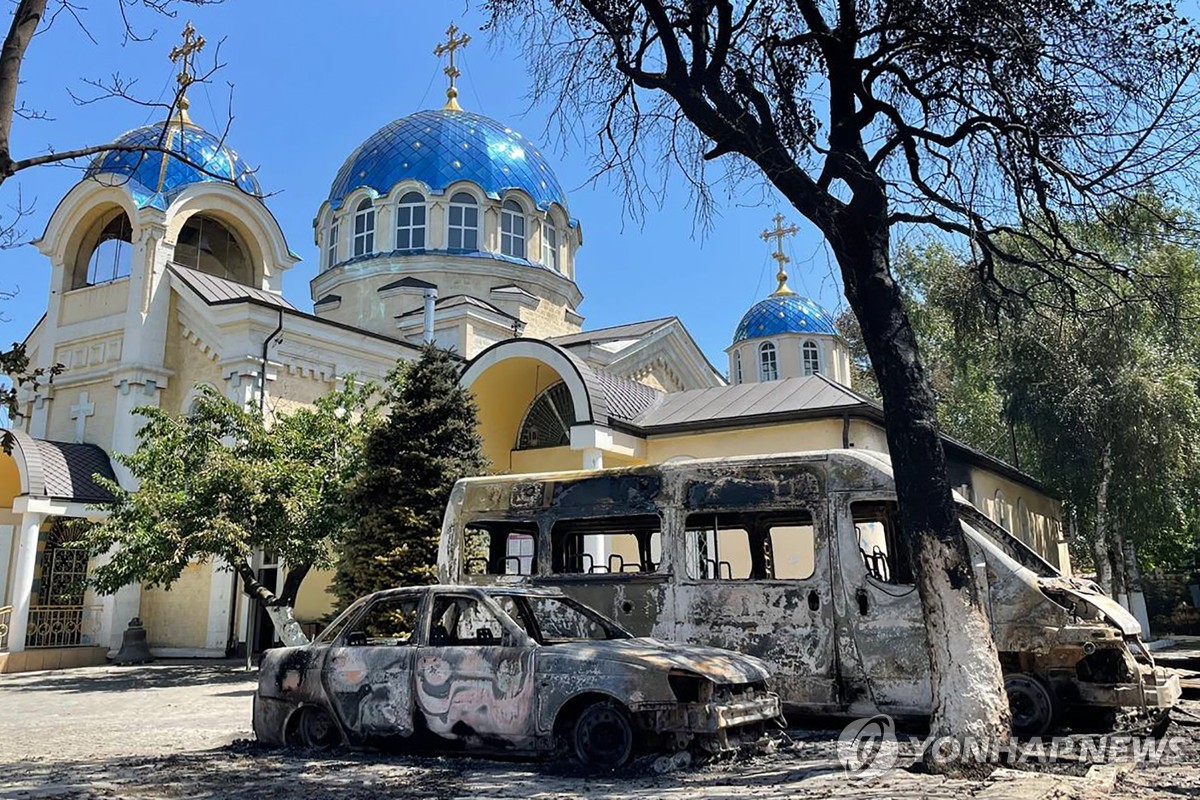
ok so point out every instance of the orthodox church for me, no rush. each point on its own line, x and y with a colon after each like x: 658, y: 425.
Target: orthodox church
x: 167, y: 271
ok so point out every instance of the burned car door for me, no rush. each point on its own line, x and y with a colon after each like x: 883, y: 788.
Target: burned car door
x: 475, y: 677
x: 368, y: 670
x: 882, y: 625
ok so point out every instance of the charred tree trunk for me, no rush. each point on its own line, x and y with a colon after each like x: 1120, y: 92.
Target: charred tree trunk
x: 1133, y: 586
x: 968, y: 686
x: 1104, y: 571
x: 279, y: 607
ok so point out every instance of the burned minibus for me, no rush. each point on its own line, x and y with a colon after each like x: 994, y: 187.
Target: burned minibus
x: 797, y: 560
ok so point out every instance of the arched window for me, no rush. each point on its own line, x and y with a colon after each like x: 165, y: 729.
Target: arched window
x: 550, y: 245
x: 1024, y: 521
x: 364, y: 228
x: 1001, y: 511
x: 464, y: 223
x: 549, y: 419
x: 331, y: 246
x: 737, y: 366
x: 410, y: 222
x: 768, y: 366
x: 205, y: 244
x: 110, y: 254
x: 810, y: 357
x: 512, y: 229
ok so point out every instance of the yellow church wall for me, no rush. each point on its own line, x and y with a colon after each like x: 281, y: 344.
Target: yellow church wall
x: 767, y: 439
x: 94, y: 302
x: 99, y: 427
x: 178, y: 617
x: 315, y: 599
x: 509, y: 388
x: 548, y: 459
x: 190, y: 364
x: 290, y: 391
x: 1040, y: 526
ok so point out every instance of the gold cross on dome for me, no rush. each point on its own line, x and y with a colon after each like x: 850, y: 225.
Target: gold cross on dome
x: 449, y: 47
x: 185, y: 55
x: 778, y: 234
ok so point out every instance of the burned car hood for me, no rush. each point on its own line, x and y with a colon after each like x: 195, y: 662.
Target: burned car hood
x: 1110, y: 609
x: 719, y: 666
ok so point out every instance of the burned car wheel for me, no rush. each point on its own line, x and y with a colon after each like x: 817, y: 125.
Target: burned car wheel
x: 1031, y: 704
x: 317, y: 729
x: 602, y: 735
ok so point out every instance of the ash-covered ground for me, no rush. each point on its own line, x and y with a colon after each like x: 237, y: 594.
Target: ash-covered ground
x: 177, y: 730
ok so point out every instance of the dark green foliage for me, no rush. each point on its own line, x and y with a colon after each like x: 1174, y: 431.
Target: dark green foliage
x: 218, y: 482
x: 412, y: 459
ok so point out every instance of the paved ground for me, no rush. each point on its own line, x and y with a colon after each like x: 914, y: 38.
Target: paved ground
x: 182, y: 731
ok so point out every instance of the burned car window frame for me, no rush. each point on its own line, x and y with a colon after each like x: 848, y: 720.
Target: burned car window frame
x: 350, y: 637
x: 534, y: 626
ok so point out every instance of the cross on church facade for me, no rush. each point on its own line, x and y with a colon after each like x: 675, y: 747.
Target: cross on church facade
x: 449, y: 47
x: 185, y: 55
x: 80, y: 412
x: 779, y: 233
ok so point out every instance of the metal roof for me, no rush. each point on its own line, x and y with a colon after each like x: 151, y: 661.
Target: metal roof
x: 632, y: 330
x: 215, y: 291
x: 737, y: 402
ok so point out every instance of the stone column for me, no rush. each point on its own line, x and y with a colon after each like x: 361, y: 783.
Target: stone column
x: 22, y: 590
x: 595, y: 546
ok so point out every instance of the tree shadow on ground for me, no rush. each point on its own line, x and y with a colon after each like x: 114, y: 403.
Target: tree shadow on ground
x: 156, y: 675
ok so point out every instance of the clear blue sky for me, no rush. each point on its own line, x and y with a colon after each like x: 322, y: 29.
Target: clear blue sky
x: 313, y: 80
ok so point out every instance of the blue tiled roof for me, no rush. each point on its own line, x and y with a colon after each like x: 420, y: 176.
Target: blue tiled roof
x: 784, y: 313
x: 441, y: 147
x: 155, y: 178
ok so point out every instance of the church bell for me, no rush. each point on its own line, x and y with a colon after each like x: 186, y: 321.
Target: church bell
x: 133, y: 645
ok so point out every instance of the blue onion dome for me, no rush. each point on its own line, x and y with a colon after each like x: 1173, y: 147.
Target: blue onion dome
x: 440, y: 147
x: 784, y: 312
x: 155, y: 178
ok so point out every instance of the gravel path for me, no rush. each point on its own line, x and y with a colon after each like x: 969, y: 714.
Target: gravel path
x: 175, y: 730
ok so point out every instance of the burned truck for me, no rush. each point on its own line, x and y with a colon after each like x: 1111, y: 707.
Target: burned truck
x: 798, y: 560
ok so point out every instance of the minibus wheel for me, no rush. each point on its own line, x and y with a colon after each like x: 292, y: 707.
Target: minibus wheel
x: 1031, y: 704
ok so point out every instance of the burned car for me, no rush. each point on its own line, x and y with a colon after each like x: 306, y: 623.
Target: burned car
x: 515, y: 670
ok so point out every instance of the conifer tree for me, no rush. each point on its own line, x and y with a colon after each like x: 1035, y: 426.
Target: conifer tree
x: 428, y: 440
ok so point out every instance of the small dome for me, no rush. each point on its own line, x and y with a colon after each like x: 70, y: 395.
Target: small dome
x: 784, y: 313
x: 154, y: 178
x: 440, y: 147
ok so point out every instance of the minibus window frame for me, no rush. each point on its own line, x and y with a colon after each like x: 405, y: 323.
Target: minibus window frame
x: 757, y: 526
x: 642, y: 527
x: 499, y: 531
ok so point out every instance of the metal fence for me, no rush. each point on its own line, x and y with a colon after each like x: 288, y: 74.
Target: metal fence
x: 62, y: 626
x: 5, y: 621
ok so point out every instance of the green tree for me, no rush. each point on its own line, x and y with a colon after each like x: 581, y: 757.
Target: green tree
x: 218, y: 483
x: 1098, y: 401
x: 428, y: 441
